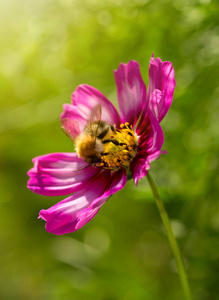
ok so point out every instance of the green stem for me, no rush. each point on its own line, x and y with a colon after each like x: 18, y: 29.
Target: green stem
x: 171, y: 238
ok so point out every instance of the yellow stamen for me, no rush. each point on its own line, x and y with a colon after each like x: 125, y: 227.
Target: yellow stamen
x: 120, y: 154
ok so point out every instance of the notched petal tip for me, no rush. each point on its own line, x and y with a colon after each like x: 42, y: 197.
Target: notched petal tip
x: 162, y: 78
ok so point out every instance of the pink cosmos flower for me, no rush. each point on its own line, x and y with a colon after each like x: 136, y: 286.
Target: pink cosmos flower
x: 139, y: 139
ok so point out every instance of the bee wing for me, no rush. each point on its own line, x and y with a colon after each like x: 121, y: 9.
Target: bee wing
x: 96, y: 113
x: 96, y: 117
x: 70, y: 128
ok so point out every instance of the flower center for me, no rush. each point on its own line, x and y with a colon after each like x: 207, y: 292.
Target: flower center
x: 120, y: 149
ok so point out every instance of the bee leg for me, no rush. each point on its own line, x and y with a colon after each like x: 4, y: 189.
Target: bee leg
x: 115, y: 142
x: 106, y: 141
x: 104, y: 154
x: 113, y: 128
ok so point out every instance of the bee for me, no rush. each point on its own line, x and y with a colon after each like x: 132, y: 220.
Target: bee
x: 89, y: 143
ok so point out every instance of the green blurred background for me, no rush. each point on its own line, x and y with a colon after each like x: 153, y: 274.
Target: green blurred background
x: 48, y: 47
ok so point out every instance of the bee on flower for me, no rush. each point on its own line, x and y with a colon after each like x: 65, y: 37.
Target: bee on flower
x: 100, y: 144
x: 108, y: 145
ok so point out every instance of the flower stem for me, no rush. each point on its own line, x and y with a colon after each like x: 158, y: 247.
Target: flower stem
x: 171, y: 238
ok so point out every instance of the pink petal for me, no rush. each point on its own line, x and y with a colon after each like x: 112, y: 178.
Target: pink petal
x: 64, y: 214
x: 117, y: 182
x: 131, y: 91
x: 76, y: 210
x: 149, y: 148
x: 73, y: 113
x: 155, y: 101
x: 56, y: 174
x: 85, y: 98
x: 154, y: 156
x: 162, y: 78
x: 138, y: 167
x: 151, y: 137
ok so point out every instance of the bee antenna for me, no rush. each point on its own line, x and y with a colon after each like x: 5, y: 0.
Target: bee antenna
x: 98, y: 167
x: 95, y: 166
x: 81, y: 168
